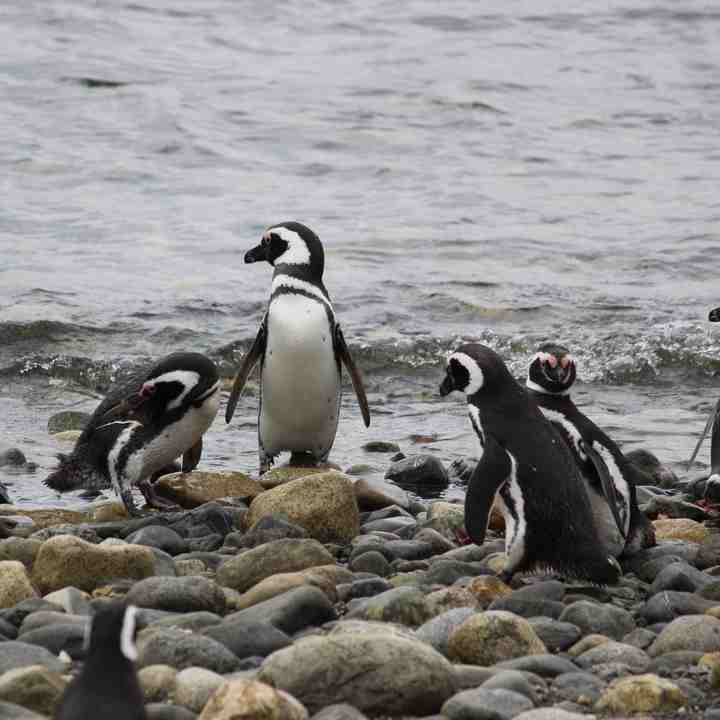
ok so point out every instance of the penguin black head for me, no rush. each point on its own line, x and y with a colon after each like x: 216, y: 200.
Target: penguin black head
x: 290, y: 243
x: 474, y: 369
x: 552, y: 370
x: 714, y: 315
x: 112, y: 633
x: 178, y: 380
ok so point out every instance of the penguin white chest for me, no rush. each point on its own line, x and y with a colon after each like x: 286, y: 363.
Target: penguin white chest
x: 300, y: 380
x: 180, y: 436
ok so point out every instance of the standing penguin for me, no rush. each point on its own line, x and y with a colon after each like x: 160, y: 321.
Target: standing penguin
x: 107, y: 687
x: 548, y: 521
x: 713, y: 426
x: 611, y: 479
x: 301, y: 349
x: 142, y: 426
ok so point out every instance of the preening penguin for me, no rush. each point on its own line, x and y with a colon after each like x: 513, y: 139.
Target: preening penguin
x: 611, y: 479
x: 548, y: 521
x: 300, y: 348
x: 107, y: 687
x: 142, y: 426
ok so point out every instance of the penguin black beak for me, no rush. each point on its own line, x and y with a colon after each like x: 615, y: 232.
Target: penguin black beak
x: 257, y: 254
x: 447, y: 386
x: 714, y: 315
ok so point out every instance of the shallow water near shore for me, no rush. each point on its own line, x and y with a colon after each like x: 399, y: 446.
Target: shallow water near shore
x: 475, y: 173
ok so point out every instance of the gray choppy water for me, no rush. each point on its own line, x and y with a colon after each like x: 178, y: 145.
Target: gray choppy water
x: 513, y: 172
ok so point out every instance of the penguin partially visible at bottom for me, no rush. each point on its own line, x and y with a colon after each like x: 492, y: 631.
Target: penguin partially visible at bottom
x: 301, y: 350
x: 141, y: 426
x: 611, y: 479
x: 548, y: 520
x: 107, y: 687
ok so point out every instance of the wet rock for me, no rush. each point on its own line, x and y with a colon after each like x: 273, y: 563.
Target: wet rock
x: 15, y: 584
x: 680, y: 529
x: 67, y: 420
x: 190, y: 490
x: 16, y: 654
x: 157, y: 682
x: 436, y: 632
x: 181, y: 649
x: 33, y: 687
x: 578, y: 687
x: 555, y: 635
x: 194, y: 686
x: 323, y: 504
x: 371, y: 562
x: 692, y: 632
x: 418, y: 472
x: 291, y: 611
x: 654, y: 472
x: 243, y: 571
x: 188, y: 594
x: 592, y: 617
x: 376, y: 672
x: 381, y: 446
x: 157, y: 536
x: 484, y: 704
x: 614, y: 652
x: 371, y: 496
x: 542, y: 665
x: 641, y: 694
x: 66, y: 560
x: 12, y: 457
x: 669, y: 604
x: 493, y: 636
x: 251, y: 700
x: 248, y: 638
x: 461, y: 470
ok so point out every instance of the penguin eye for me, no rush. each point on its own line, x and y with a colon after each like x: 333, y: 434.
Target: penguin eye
x: 266, y: 240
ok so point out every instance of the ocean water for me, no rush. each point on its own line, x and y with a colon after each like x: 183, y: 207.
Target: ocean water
x: 510, y: 172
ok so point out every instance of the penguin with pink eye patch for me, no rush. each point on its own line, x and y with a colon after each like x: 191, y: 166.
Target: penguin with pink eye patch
x: 142, y: 426
x: 610, y: 478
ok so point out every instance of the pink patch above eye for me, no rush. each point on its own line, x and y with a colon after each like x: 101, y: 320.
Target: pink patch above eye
x: 147, y: 390
x: 552, y: 361
x: 564, y: 362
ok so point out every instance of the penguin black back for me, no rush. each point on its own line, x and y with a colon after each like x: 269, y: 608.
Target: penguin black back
x: 107, y: 687
x: 544, y: 500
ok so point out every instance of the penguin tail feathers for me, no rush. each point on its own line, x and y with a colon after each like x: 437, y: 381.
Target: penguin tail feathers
x: 71, y: 474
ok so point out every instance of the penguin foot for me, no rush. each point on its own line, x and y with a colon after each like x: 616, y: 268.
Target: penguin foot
x: 153, y: 500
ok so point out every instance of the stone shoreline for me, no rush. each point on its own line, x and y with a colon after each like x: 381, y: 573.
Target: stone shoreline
x: 312, y: 593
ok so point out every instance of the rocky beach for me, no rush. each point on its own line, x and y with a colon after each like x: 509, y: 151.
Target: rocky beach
x: 310, y: 592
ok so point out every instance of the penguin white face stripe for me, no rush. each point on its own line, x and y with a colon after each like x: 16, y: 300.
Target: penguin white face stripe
x: 296, y: 284
x: 127, y: 634
x: 297, y: 252
x: 618, y: 480
x: 187, y: 378
x: 559, y: 419
x: 475, y: 374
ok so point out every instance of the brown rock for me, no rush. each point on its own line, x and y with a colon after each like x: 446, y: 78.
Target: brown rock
x: 45, y: 517
x: 66, y: 560
x: 680, y: 529
x: 376, y: 497
x: 641, y: 694
x: 33, y: 687
x: 487, y: 588
x: 324, y: 504
x: 193, y: 489
x: 285, y: 473
x: 15, y: 584
x: 106, y: 512
x: 242, y: 699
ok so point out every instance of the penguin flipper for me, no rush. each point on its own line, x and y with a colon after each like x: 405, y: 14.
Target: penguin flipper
x: 711, y: 423
x: 341, y: 349
x: 490, y: 473
x: 256, y: 351
x: 714, y: 315
x: 191, y: 457
x: 608, y: 487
